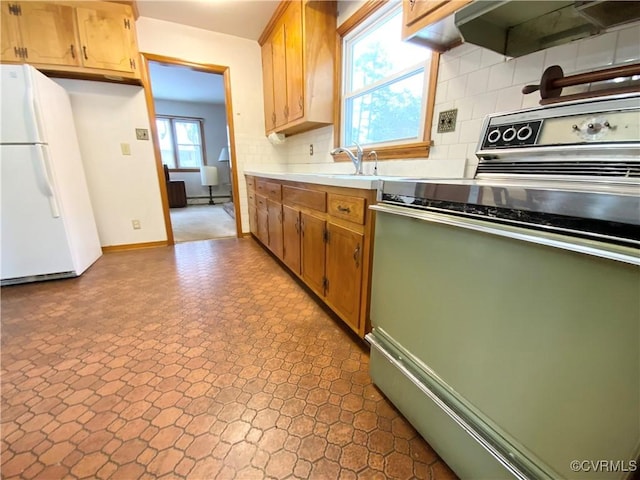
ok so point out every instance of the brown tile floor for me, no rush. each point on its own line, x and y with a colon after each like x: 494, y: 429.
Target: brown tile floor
x: 203, y: 361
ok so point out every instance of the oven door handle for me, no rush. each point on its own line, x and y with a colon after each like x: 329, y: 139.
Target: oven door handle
x: 575, y: 244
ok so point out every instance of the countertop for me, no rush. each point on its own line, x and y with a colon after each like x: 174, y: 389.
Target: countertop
x: 367, y: 182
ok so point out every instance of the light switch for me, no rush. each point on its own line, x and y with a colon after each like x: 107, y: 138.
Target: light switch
x: 125, y: 148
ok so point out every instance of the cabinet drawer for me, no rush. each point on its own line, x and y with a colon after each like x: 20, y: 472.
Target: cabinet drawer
x: 261, y: 187
x: 347, y: 207
x: 305, y: 198
x: 251, y: 183
x: 274, y: 191
x: 261, y: 202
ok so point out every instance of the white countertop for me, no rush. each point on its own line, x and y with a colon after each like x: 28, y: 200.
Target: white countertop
x: 367, y: 182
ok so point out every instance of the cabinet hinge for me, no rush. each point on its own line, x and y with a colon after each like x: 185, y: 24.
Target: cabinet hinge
x: 25, y: 52
x: 14, y: 9
x: 132, y: 63
x: 127, y: 24
x: 325, y: 284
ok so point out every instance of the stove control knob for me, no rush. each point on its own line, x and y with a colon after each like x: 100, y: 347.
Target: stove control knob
x: 494, y: 136
x: 509, y: 134
x: 524, y: 133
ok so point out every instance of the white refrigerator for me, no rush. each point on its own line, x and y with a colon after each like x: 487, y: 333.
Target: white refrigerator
x: 47, y: 225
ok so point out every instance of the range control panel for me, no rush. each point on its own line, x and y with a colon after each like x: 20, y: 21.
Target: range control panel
x: 512, y: 135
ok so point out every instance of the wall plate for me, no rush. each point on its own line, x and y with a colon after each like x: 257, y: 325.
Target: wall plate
x: 447, y: 121
x: 142, y: 134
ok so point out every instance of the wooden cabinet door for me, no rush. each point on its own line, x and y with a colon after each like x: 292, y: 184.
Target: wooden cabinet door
x: 414, y: 10
x: 344, y: 272
x: 106, y: 35
x: 275, y: 227
x: 10, y: 42
x: 313, y: 251
x: 294, y: 61
x: 291, y: 233
x: 48, y: 33
x: 278, y: 51
x: 263, y: 225
x: 253, y: 220
x: 267, y: 79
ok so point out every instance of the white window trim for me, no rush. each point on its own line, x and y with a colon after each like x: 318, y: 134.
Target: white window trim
x: 174, y: 118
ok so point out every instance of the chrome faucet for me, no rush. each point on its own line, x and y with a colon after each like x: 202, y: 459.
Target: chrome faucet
x: 355, y: 159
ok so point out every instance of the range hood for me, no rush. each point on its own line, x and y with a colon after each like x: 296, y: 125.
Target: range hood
x: 518, y: 27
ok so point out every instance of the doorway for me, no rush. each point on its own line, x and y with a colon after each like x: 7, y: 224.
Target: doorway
x: 192, y: 129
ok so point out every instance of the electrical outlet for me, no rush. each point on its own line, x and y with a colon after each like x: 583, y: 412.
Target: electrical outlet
x: 311, y: 149
x: 136, y: 224
x: 142, y: 134
x: 447, y: 121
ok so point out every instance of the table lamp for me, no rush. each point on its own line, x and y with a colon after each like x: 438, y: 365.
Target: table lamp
x: 209, y: 178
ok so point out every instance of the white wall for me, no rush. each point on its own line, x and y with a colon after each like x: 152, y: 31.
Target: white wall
x: 243, y: 59
x: 215, y: 137
x: 122, y: 187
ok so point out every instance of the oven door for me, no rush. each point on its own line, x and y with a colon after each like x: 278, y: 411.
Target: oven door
x: 530, y: 350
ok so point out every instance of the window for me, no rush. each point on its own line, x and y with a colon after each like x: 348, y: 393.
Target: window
x: 385, y: 87
x: 181, y: 142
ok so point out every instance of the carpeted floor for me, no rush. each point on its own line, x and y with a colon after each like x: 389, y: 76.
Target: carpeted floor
x: 201, y: 222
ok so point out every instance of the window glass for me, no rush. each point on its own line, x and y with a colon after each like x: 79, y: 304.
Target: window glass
x: 384, y: 83
x: 181, y: 143
x: 166, y: 142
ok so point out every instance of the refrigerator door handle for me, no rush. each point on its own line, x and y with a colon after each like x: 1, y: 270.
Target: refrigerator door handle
x: 32, y: 105
x: 44, y: 180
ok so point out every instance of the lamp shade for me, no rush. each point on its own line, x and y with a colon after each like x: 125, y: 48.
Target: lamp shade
x: 208, y: 175
x: 224, y: 155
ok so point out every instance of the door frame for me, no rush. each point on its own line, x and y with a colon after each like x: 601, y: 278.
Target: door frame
x: 148, y: 92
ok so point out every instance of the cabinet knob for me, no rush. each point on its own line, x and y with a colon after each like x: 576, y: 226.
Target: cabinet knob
x: 84, y: 50
x: 356, y: 256
x: 73, y: 51
x: 344, y: 209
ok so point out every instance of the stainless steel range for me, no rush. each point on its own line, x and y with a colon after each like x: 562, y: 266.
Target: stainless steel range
x: 506, y: 308
x: 572, y: 169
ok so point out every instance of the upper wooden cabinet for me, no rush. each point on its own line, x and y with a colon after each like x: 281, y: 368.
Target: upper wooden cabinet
x: 76, y: 37
x: 431, y: 22
x: 298, y: 55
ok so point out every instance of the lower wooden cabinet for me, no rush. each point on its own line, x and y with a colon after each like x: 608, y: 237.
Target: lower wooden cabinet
x: 344, y: 272
x: 274, y: 215
x: 313, y: 251
x: 291, y: 234
x: 323, y: 235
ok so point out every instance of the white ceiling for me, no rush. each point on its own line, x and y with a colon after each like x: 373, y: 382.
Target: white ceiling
x: 242, y: 18
x: 174, y: 82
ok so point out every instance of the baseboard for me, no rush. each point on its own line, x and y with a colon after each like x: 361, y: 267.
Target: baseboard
x: 133, y: 246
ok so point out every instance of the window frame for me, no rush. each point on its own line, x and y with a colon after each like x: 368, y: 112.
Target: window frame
x: 413, y: 149
x: 174, y: 142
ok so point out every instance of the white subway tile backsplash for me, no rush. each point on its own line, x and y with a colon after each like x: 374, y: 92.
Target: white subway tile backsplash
x: 451, y: 138
x: 596, y: 51
x: 628, y: 45
x: 501, y: 75
x: 441, y: 92
x: 470, y: 130
x: 511, y: 98
x: 465, y: 108
x: 484, y: 104
x: 463, y: 49
x: 469, y: 62
x: 529, y: 68
x: 477, y: 82
x: 439, y: 151
x: 449, y: 68
x: 489, y: 58
x: 456, y: 88
x: 563, y: 55
x: 458, y: 151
